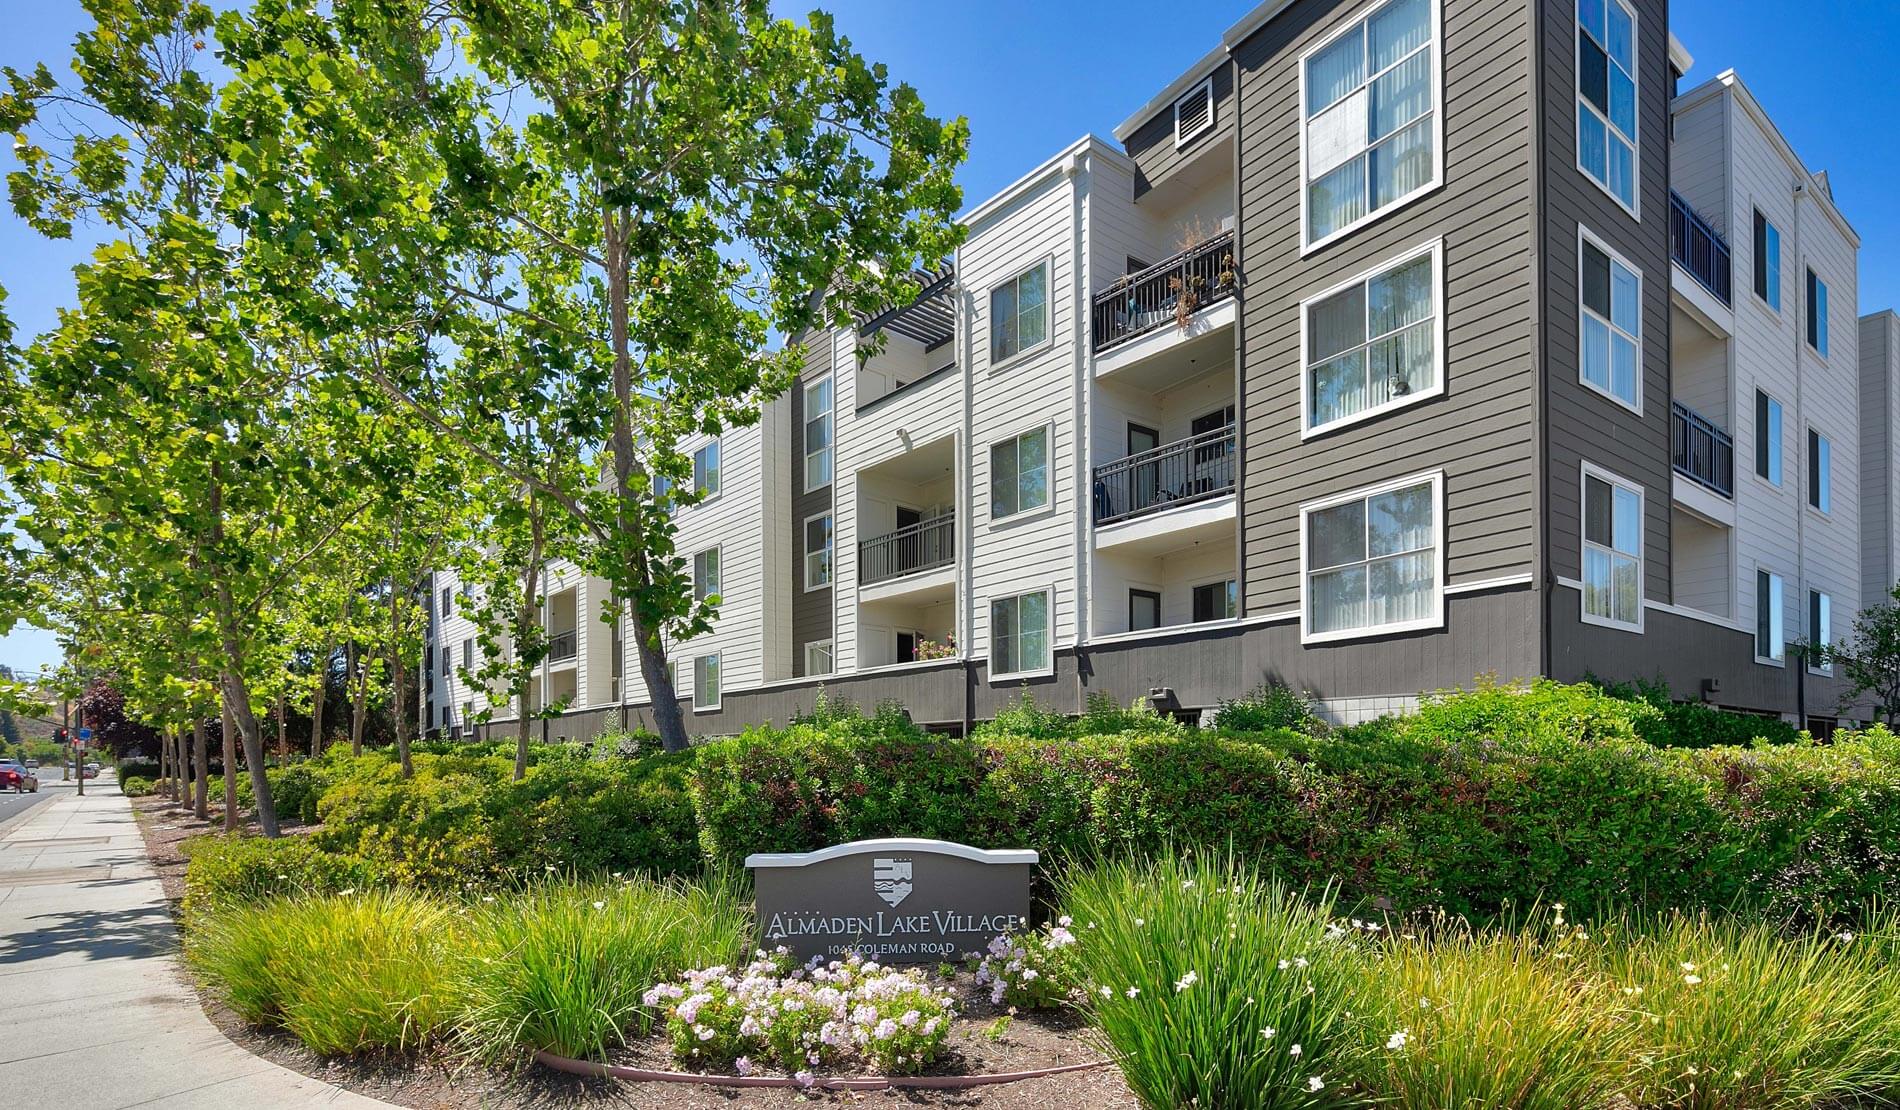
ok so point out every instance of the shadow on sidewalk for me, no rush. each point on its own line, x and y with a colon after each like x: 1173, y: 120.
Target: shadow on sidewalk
x: 96, y: 934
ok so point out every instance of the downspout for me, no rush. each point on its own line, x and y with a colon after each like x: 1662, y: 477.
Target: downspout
x: 966, y: 501
x: 1084, y: 330
x: 1801, y: 495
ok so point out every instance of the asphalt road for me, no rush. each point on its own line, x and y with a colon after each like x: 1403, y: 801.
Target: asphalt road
x: 12, y: 805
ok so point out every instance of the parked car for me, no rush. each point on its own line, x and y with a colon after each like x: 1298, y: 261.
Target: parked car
x: 18, y: 778
x: 92, y: 770
x: 32, y: 764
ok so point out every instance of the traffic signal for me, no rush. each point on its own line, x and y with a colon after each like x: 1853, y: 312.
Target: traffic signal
x: 61, y: 736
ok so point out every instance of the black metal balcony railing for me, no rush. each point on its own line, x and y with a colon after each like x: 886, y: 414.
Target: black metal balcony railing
x: 913, y: 548
x: 562, y: 646
x: 1173, y: 474
x: 1166, y: 293
x: 1704, y: 453
x: 1697, y: 247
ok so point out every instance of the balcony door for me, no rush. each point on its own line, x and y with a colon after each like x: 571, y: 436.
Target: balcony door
x: 1213, y: 462
x: 1145, y: 482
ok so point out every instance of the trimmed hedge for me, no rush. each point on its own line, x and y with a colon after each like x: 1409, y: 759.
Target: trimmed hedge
x: 135, y: 786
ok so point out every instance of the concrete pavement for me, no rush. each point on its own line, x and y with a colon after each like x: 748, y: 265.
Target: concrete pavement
x: 94, y: 1004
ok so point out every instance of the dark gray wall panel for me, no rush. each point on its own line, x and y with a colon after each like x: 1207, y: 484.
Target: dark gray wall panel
x: 811, y: 609
x: 1151, y: 145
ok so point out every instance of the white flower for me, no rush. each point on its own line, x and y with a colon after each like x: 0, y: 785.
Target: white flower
x: 743, y: 1065
x: 1424, y: 1003
x: 1267, y: 1032
x: 1186, y: 981
x: 1314, y: 1083
x: 1294, y: 1051
x: 346, y: 892
x: 1106, y: 993
x: 1187, y: 884
x: 1300, y: 962
x: 1396, y: 1041
x: 1284, y: 965
x: 804, y: 1078
x: 600, y: 905
x: 1692, y: 980
x: 1844, y: 938
x: 1139, y: 922
x: 1133, y: 991
x: 1686, y: 966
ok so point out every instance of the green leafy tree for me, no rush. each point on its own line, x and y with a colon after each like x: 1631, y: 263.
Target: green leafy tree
x: 1869, y: 662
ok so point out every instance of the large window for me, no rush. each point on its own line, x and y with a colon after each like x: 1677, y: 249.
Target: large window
x: 1820, y: 472
x: 1767, y: 437
x: 706, y: 470
x: 1372, y: 344
x: 1019, y: 634
x: 818, y: 434
x: 706, y: 575
x: 1144, y: 610
x: 1019, y: 313
x: 1370, y: 560
x: 1609, y: 324
x: 1817, y: 314
x: 1612, y: 550
x: 706, y: 681
x: 818, y: 657
x: 1770, y: 643
x: 1371, y: 133
x: 1820, y: 630
x: 1767, y: 261
x: 1215, y: 601
x: 818, y: 551
x: 1019, y: 473
x: 1606, y: 96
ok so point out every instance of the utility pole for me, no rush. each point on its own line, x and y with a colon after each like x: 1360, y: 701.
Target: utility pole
x: 79, y: 753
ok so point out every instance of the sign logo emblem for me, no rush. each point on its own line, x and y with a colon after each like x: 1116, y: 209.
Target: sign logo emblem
x: 890, y: 878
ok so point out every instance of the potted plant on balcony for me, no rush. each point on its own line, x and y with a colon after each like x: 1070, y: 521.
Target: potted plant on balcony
x: 931, y: 649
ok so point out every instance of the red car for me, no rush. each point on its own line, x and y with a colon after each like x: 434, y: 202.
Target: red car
x: 17, y: 778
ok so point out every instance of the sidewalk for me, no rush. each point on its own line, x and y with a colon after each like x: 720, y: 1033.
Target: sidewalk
x: 94, y: 1003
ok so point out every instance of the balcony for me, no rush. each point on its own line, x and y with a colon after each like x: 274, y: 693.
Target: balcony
x: 1704, y: 453
x: 562, y: 646
x: 916, y: 548
x: 1167, y: 294
x: 1197, y: 468
x: 1699, y: 249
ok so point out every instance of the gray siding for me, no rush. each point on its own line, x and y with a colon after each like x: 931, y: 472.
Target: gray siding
x: 1480, y: 431
x: 1877, y: 351
x: 1152, y: 144
x: 811, y: 609
x: 1581, y: 423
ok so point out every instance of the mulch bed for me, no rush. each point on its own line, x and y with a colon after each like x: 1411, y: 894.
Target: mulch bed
x: 978, y: 1043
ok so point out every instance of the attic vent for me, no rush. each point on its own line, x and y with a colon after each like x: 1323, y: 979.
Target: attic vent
x: 1194, y: 112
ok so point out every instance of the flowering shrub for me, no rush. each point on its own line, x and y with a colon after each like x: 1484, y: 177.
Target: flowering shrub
x: 800, y: 1018
x: 1032, y: 970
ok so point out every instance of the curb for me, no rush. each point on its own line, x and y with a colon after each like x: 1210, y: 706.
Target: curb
x: 30, y: 812
x: 827, y: 1083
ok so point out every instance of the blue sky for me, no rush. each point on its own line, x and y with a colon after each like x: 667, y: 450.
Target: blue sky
x: 1032, y: 77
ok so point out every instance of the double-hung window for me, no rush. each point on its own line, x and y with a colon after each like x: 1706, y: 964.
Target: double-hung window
x: 1612, y: 550
x: 818, y: 551
x: 1820, y: 468
x: 706, y: 575
x: 706, y: 470
x: 1820, y: 630
x: 468, y: 654
x: 1373, y: 343
x: 1767, y: 437
x: 1369, y: 139
x: 448, y: 664
x: 1817, y: 314
x: 1019, y: 634
x: 1606, y: 96
x: 446, y: 601
x: 818, y: 434
x: 1019, y: 473
x: 706, y: 681
x: 1770, y: 642
x: 1767, y: 261
x: 1609, y: 324
x: 1370, y: 560
x: 818, y: 657
x: 1019, y: 313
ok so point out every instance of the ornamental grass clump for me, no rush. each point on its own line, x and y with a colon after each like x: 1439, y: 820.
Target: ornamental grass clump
x: 561, y: 966
x: 1214, y: 987
x: 773, y: 1012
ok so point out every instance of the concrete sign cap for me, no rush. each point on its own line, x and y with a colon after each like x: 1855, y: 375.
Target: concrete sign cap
x: 892, y: 844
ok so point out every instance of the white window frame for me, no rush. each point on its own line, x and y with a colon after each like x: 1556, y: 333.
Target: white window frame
x: 1585, y: 235
x: 1436, y: 248
x: 1636, y: 81
x: 1359, y: 16
x: 1434, y: 478
x: 805, y: 551
x: 1047, y: 264
x: 1048, y: 429
x: 1779, y: 618
x: 1823, y: 635
x: 717, y: 684
x: 1590, y: 470
x: 711, y: 492
x: 830, y: 450
x: 829, y: 647
x: 1205, y: 88
x: 1818, y: 457
x: 718, y: 572
x: 1049, y: 639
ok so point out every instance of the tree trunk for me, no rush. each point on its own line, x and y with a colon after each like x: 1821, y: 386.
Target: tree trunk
x: 201, y: 771
x: 237, y: 695
x: 668, y: 721
x: 396, y: 681
x: 322, y: 695
x: 166, y: 787
x: 529, y: 615
x: 229, y: 732
x: 359, y: 707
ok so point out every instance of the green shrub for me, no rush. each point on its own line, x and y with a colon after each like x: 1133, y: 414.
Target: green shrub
x: 1694, y: 725
x: 570, y: 963
x: 223, y: 871
x: 136, y: 787
x: 1269, y: 707
x: 624, y: 743
x: 342, y: 973
x: 295, y: 790
x: 138, y: 768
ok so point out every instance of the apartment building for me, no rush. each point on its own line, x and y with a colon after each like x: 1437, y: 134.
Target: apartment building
x: 1394, y: 344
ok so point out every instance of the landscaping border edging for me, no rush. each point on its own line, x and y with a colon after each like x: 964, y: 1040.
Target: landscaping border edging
x: 829, y: 1083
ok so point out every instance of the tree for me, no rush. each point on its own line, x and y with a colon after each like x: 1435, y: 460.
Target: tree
x: 1870, y: 662
x: 103, y: 707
